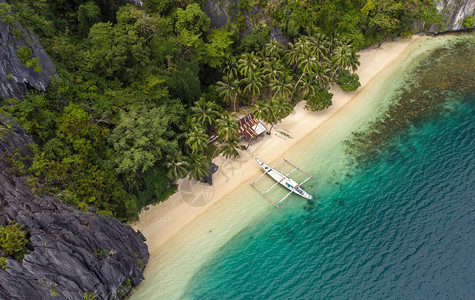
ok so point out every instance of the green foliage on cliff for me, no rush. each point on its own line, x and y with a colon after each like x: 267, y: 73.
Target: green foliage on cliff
x: 364, y: 22
x: 468, y: 22
x: 137, y: 93
x: 23, y: 54
x: 13, y: 240
x: 3, y: 263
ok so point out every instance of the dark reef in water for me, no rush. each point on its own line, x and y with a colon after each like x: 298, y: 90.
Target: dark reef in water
x: 68, y: 252
x: 447, y: 73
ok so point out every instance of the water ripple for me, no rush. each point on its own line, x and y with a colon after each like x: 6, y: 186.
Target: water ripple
x: 400, y: 229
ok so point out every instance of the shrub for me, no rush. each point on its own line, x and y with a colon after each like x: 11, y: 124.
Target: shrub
x: 33, y: 63
x: 468, y: 22
x: 89, y: 296
x: 13, y: 240
x: 347, y: 81
x: 320, y: 100
x: 2, y: 263
x: 244, y: 5
x: 23, y: 54
x: 7, y: 15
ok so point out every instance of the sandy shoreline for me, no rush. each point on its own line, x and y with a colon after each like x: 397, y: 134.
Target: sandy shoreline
x: 162, y: 221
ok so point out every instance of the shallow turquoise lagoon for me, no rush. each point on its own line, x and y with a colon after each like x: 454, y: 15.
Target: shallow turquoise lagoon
x: 401, y: 225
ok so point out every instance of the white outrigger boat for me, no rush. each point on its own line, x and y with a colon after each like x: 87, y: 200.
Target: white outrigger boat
x: 284, y: 180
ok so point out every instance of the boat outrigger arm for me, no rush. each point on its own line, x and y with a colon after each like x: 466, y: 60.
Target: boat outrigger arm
x: 284, y: 180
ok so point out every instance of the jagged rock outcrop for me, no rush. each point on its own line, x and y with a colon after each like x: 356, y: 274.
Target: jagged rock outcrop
x: 222, y: 12
x: 69, y: 252
x: 15, y: 77
x: 217, y: 12
x: 453, y: 12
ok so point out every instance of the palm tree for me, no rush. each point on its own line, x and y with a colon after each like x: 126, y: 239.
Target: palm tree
x: 177, y: 166
x: 196, y: 139
x: 307, y: 62
x: 273, y: 70
x: 227, y: 127
x: 248, y: 64
x: 205, y: 112
x: 319, y: 46
x: 281, y: 109
x: 308, y: 65
x: 292, y: 55
x: 228, y: 89
x: 185, y: 127
x: 354, y: 60
x: 272, y: 50
x: 334, y: 42
x: 253, y: 85
x: 268, y: 115
x: 260, y: 110
x: 307, y: 85
x: 230, y: 148
x: 278, y: 109
x: 231, y: 70
x: 282, y: 88
x: 199, y: 166
x: 322, y: 79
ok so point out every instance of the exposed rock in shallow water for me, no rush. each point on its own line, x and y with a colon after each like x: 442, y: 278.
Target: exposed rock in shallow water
x: 69, y: 252
x: 15, y: 77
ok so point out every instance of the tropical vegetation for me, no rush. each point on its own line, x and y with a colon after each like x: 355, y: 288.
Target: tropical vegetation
x: 142, y: 90
x: 13, y: 241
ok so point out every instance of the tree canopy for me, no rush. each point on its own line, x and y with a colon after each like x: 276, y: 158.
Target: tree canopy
x: 141, y: 90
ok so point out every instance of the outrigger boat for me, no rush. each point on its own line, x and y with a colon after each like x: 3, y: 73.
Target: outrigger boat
x: 285, y: 134
x: 284, y: 180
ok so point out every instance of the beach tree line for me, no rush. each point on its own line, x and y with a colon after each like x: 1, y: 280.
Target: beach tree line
x: 304, y: 71
x: 141, y: 91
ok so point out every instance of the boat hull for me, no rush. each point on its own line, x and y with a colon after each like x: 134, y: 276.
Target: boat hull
x: 288, y: 183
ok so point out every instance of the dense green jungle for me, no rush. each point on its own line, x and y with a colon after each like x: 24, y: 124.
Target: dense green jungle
x: 141, y: 89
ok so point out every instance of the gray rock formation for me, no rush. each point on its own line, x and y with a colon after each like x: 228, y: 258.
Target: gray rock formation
x: 453, y: 12
x: 69, y: 252
x: 219, y: 13
x: 15, y: 77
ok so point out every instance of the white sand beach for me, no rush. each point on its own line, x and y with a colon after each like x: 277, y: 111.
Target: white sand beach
x: 185, y: 232
x: 190, y: 231
x: 162, y: 221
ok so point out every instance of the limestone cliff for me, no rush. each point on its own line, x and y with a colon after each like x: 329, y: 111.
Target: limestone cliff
x: 69, y: 252
x: 16, y: 78
x: 453, y: 12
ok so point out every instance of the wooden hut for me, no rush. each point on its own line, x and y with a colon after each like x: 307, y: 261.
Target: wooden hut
x: 250, y: 127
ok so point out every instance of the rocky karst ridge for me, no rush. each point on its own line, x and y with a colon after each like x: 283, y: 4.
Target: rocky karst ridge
x: 453, y: 12
x: 16, y: 79
x: 69, y: 252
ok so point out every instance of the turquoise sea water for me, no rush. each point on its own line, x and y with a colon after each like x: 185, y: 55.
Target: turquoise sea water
x: 401, y: 225
x: 394, y: 210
